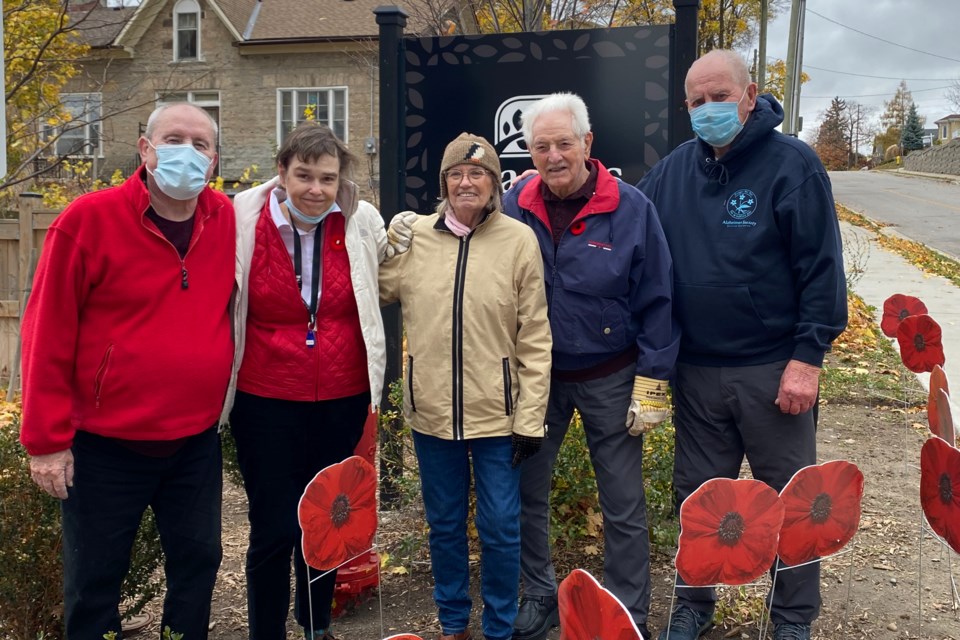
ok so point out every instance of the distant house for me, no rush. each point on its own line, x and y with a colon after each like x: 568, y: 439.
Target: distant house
x: 948, y: 127
x: 258, y: 67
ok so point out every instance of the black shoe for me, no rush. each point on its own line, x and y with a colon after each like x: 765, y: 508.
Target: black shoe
x: 687, y: 624
x: 535, y: 617
x: 791, y: 631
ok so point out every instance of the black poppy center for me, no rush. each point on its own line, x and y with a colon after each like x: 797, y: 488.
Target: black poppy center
x: 340, y: 511
x: 903, y: 314
x: 731, y: 528
x: 946, y: 489
x: 821, y: 507
x: 918, y: 342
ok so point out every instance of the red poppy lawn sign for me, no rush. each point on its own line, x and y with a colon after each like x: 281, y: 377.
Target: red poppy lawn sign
x: 940, y: 489
x: 920, y: 343
x: 938, y: 382
x: 338, y: 513
x: 944, y: 412
x: 588, y: 611
x: 821, y: 511
x: 895, y: 309
x: 728, y: 532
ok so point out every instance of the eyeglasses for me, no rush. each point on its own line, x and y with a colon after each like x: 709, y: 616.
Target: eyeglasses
x: 473, y: 174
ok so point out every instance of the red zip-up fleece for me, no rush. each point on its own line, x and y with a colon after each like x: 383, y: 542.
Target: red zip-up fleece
x: 276, y: 360
x: 121, y: 337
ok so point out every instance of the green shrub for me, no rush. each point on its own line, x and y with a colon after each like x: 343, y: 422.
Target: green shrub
x: 31, y: 571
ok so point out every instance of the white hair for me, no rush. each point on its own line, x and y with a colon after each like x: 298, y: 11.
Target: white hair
x: 152, y: 120
x: 565, y: 102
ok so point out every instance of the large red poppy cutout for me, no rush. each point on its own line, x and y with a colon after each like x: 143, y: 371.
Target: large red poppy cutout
x: 588, y: 611
x: 920, y: 345
x: 728, y: 532
x: 895, y: 309
x: 944, y: 413
x: 821, y: 511
x: 338, y: 513
x: 938, y: 382
x: 940, y: 489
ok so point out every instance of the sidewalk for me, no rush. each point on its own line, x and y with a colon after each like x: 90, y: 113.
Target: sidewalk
x: 886, y: 273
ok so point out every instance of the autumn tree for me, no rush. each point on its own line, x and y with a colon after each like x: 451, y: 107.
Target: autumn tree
x: 832, y: 143
x: 894, y: 117
x: 952, y: 94
x: 859, y: 128
x: 776, y: 81
x: 912, y: 138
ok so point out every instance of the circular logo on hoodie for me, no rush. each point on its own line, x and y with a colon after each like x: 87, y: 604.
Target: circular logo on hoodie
x: 742, y: 204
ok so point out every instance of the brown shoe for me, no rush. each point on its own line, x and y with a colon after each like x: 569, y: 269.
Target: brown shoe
x: 463, y: 635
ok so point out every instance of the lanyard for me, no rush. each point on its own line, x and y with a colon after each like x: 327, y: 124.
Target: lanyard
x: 315, y: 285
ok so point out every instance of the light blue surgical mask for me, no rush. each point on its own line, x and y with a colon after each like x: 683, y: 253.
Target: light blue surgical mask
x: 304, y: 218
x: 717, y: 123
x: 181, y: 171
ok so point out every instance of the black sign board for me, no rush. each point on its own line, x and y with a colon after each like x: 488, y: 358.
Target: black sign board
x: 481, y: 84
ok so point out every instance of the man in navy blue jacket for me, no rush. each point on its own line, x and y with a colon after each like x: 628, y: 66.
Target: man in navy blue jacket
x: 608, y: 282
x: 760, y: 295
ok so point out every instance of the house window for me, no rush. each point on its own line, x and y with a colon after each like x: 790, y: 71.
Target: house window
x: 186, y: 30
x: 80, y: 136
x: 209, y: 101
x: 328, y: 106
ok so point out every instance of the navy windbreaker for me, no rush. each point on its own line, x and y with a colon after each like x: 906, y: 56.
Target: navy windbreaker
x: 758, y: 267
x: 608, y: 281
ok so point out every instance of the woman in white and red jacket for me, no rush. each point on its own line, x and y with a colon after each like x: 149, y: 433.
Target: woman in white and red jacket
x: 310, y: 358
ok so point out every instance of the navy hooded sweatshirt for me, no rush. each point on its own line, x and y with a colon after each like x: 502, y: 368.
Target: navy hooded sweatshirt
x: 757, y: 262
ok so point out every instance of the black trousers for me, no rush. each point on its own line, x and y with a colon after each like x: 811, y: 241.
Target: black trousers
x: 112, y: 487
x: 281, y: 445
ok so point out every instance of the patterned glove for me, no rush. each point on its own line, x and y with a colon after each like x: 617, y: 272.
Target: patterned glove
x: 649, y: 407
x: 400, y: 233
x: 524, y: 447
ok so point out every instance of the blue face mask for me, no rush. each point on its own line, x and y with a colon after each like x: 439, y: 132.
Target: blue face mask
x: 181, y: 171
x: 717, y: 123
x: 304, y: 218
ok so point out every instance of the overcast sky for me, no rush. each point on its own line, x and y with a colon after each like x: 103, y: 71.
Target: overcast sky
x: 831, y: 43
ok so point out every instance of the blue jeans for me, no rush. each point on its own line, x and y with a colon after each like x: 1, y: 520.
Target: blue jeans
x: 112, y: 487
x: 445, y: 481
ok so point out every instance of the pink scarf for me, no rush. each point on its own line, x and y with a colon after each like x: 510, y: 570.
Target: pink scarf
x: 456, y: 227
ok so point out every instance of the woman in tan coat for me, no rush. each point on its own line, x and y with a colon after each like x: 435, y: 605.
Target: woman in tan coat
x: 477, y: 378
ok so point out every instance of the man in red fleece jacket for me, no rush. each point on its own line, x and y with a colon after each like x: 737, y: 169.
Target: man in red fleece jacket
x: 127, y: 349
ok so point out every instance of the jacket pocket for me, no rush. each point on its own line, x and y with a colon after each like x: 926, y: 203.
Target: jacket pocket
x: 507, y: 388
x: 413, y: 404
x: 101, y: 376
x: 719, y: 319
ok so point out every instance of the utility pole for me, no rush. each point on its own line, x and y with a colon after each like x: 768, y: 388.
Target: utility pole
x: 791, y: 94
x: 762, y: 63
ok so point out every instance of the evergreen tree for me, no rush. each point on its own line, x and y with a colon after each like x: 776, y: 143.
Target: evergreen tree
x: 912, y: 131
x: 833, y: 144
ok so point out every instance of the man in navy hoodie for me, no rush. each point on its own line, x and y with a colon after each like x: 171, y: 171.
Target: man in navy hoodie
x: 759, y: 294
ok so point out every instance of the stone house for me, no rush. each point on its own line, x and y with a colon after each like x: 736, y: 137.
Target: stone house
x: 258, y: 66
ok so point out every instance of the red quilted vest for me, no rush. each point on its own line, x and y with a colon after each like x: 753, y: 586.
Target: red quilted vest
x: 276, y: 360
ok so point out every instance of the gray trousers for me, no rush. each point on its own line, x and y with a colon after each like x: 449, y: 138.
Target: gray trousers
x: 617, y: 459
x: 722, y: 414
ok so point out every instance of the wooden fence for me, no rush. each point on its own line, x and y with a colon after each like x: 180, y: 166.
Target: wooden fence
x: 21, y: 238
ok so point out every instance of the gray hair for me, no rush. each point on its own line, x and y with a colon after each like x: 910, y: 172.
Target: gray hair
x: 152, y: 120
x: 735, y: 64
x: 566, y: 102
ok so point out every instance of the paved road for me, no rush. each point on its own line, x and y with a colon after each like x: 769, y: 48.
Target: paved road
x: 921, y: 209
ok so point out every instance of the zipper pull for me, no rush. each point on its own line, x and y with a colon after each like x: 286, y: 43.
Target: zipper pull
x: 184, y: 283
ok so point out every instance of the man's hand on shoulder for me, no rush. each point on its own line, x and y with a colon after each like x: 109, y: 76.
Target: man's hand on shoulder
x: 798, y: 387
x: 53, y: 472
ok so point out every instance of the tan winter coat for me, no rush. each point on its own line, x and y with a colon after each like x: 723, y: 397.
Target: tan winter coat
x: 478, y: 336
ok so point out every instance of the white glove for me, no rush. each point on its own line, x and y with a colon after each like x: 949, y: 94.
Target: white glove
x: 648, y: 407
x: 400, y: 233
